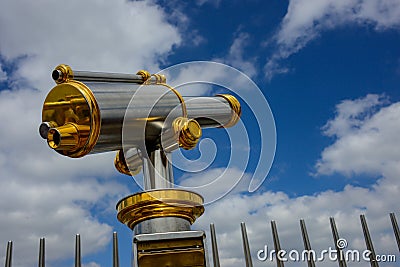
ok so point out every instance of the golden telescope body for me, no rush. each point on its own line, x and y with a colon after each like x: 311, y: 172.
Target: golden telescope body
x: 144, y: 119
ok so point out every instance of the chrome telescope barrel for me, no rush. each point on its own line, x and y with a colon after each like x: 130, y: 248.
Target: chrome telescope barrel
x: 87, y: 76
x: 220, y: 110
x: 63, y: 73
x: 86, y: 116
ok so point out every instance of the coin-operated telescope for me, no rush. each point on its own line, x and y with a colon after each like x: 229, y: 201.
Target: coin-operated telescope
x: 143, y: 119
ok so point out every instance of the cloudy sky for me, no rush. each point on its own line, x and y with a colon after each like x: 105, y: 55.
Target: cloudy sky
x: 329, y: 69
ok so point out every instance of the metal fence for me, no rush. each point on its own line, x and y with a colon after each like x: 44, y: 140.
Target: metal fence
x: 246, y: 248
x: 341, y: 261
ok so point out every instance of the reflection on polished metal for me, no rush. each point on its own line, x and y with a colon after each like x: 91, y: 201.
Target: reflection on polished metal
x: 306, y: 241
x: 212, y: 111
x: 132, y: 166
x: 246, y: 246
x: 395, y: 229
x: 72, y: 112
x: 144, y: 120
x: 340, y: 257
x: 157, y: 170
x: 277, y: 244
x: 41, y: 253
x: 214, y: 246
x: 9, y: 254
x: 67, y: 137
x: 368, y: 242
x: 162, y: 225
x: 174, y: 203
x: 78, y: 251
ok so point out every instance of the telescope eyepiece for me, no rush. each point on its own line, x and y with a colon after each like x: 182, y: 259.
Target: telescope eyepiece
x: 56, y: 75
x: 45, y: 127
x: 68, y: 137
x: 54, y: 138
x: 190, y: 134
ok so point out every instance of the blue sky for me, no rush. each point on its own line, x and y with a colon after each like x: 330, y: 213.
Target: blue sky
x: 330, y: 71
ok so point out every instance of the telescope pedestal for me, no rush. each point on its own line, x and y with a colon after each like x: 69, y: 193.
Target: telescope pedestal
x: 162, y: 225
x: 178, y: 249
x: 160, y: 220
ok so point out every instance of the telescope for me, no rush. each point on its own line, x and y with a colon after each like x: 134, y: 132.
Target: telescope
x: 143, y: 119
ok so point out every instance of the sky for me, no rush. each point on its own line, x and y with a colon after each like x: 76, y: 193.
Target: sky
x: 327, y: 71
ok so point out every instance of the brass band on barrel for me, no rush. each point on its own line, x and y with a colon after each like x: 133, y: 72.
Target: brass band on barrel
x: 236, y: 109
x: 145, y: 75
x: 159, y: 203
x: 160, y: 78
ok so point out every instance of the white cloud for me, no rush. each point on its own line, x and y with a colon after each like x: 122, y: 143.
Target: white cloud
x: 350, y: 115
x: 119, y: 36
x: 258, y: 209
x: 367, y: 141
x: 41, y: 192
x: 237, y: 58
x: 45, y: 194
x: 216, y: 183
x: 198, y: 77
x: 305, y: 20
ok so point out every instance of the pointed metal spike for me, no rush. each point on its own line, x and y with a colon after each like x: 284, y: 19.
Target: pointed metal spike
x: 277, y: 244
x: 340, y: 256
x: 246, y: 246
x: 41, y: 252
x: 115, y: 250
x: 368, y: 241
x: 395, y: 229
x: 307, y: 245
x: 9, y: 254
x: 78, y: 251
x: 214, y: 246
